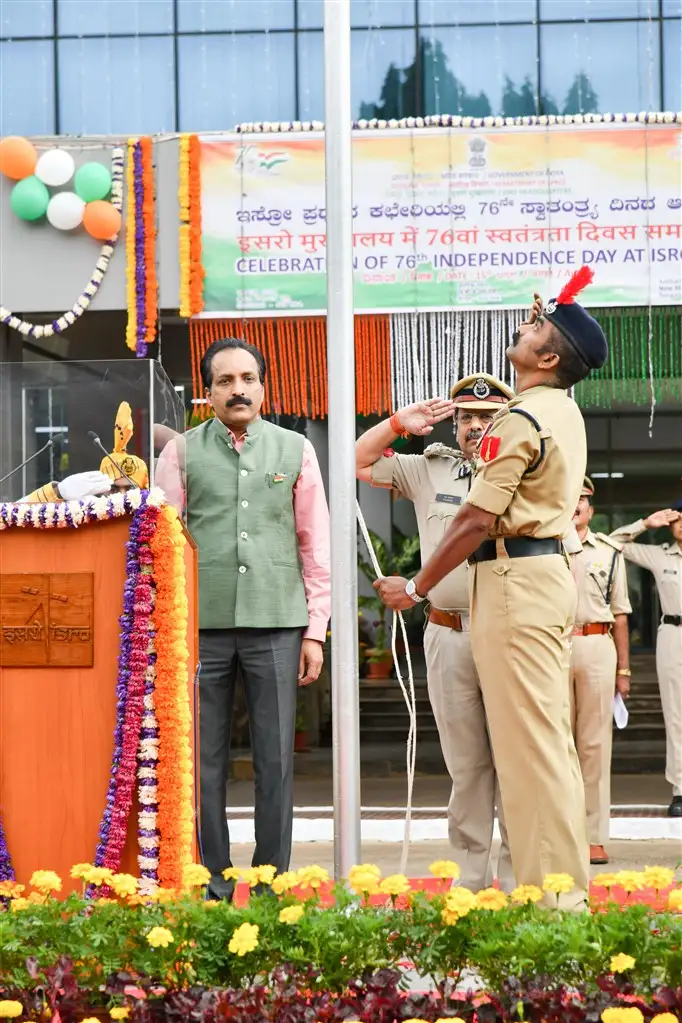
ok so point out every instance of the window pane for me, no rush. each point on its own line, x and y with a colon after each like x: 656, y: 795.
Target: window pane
x: 672, y: 73
x: 672, y: 8
x: 383, y: 73
x: 232, y: 15
x: 85, y: 18
x: 18, y: 18
x: 457, y: 12
x: 228, y: 79
x: 26, y: 88
x: 116, y: 86
x: 600, y: 68
x: 363, y: 13
x: 310, y: 76
x: 588, y: 10
x: 458, y: 81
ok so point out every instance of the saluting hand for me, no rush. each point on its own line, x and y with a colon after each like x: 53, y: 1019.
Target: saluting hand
x: 310, y: 664
x: 661, y: 518
x: 419, y: 419
x: 392, y: 591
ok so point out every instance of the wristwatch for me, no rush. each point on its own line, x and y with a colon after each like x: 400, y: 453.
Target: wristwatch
x: 411, y: 591
x: 623, y: 671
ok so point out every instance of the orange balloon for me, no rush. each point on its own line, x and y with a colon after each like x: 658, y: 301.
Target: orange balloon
x: 101, y: 220
x: 18, y: 157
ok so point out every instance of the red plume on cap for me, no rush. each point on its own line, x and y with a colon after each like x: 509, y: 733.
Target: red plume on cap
x: 580, y: 279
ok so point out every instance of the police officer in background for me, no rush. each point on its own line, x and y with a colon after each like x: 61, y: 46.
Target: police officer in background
x: 600, y: 664
x: 665, y: 562
x: 437, y: 482
x: 523, y: 598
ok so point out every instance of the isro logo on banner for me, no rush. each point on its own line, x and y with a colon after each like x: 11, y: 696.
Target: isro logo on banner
x: 256, y: 161
x: 490, y: 447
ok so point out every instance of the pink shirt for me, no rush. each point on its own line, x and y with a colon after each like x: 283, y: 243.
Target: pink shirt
x: 311, y: 518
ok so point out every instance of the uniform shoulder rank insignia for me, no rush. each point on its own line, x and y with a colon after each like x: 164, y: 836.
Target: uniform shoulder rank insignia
x: 490, y: 447
x: 442, y: 451
x: 607, y: 540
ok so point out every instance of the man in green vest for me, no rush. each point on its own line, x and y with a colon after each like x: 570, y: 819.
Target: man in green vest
x: 257, y: 510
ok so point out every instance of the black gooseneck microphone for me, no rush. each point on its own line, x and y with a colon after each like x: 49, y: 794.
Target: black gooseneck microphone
x: 49, y: 444
x: 98, y: 443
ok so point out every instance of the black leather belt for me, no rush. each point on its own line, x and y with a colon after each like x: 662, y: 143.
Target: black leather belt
x: 672, y: 619
x: 517, y: 547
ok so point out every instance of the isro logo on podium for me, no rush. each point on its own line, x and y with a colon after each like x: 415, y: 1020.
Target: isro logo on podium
x: 259, y: 162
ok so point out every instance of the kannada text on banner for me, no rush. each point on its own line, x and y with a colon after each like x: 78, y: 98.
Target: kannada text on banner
x: 446, y: 218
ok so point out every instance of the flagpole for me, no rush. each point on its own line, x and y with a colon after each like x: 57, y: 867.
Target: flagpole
x: 341, y: 425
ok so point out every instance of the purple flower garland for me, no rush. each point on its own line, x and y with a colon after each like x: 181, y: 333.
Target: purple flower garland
x: 6, y: 868
x: 140, y: 255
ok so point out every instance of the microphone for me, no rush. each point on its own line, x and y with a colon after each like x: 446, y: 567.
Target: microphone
x: 49, y: 444
x: 98, y: 443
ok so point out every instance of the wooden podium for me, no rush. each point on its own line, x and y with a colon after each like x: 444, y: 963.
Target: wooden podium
x: 57, y: 716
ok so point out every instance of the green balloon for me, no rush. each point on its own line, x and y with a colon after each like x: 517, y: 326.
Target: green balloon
x: 29, y: 198
x: 92, y: 182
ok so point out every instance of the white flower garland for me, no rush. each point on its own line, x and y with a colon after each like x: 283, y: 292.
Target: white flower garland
x: 92, y: 287
x: 62, y: 514
x: 455, y: 121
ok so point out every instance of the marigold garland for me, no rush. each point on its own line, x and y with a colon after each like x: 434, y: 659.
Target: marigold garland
x: 141, y: 279
x: 175, y: 818
x: 190, y: 246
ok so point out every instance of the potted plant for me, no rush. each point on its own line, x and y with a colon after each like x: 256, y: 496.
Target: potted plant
x: 400, y: 560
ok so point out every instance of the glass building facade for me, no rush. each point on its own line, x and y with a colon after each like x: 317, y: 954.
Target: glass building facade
x: 148, y: 66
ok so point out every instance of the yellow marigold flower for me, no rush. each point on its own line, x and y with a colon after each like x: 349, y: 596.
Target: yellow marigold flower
x: 665, y: 1017
x: 448, y: 870
x: 364, y: 879
x: 395, y: 884
x: 124, y: 884
x: 264, y: 874
x: 244, y: 939
x: 138, y: 900
x: 607, y: 880
x: 232, y: 874
x: 630, y: 880
x: 159, y: 937
x: 10, y: 1009
x: 46, y: 881
x: 285, y: 882
x: 312, y: 877
x: 20, y: 903
x: 97, y: 876
x: 37, y: 899
x: 458, y: 903
x: 195, y: 875
x: 90, y: 1019
x: 79, y: 870
x: 491, y: 898
x: 210, y: 903
x: 658, y: 877
x: 621, y: 963
x: 558, y: 883
x: 120, y: 1012
x: 163, y: 896
x: 11, y: 890
x: 291, y: 914
x: 104, y: 902
x: 675, y: 901
x: 622, y: 1015
x: 526, y: 893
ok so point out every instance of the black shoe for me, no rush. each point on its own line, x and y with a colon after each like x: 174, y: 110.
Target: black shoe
x: 220, y: 890
x: 675, y: 808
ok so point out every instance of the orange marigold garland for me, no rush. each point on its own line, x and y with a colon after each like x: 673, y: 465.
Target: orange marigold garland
x: 149, y: 220
x: 131, y: 327
x: 189, y: 195
x: 175, y: 819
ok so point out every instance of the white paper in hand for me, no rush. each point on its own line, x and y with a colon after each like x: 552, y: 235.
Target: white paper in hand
x: 620, y: 711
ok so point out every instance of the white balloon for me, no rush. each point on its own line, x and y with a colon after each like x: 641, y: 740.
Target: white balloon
x: 55, y: 167
x: 65, y: 211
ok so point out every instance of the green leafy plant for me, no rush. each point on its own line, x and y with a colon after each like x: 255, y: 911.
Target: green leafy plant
x: 402, y: 558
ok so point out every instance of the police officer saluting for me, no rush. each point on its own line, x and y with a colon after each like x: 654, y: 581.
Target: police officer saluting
x: 600, y: 664
x: 437, y: 482
x: 529, y: 477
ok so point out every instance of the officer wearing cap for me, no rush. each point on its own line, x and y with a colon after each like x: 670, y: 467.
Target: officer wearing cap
x: 600, y: 664
x: 529, y: 475
x: 437, y: 482
x: 664, y: 561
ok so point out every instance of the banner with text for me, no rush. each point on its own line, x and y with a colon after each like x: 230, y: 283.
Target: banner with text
x: 446, y: 218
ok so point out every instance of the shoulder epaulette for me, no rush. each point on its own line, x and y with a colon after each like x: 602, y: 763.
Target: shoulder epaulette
x: 607, y: 539
x: 443, y: 451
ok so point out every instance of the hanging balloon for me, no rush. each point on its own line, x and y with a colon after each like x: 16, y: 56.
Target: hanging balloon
x: 93, y: 181
x: 101, y: 220
x: 65, y: 211
x: 29, y: 199
x: 18, y: 157
x: 55, y: 167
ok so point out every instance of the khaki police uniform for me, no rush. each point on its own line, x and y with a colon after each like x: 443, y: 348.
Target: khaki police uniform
x: 599, y: 573
x: 523, y: 599
x: 665, y: 563
x: 438, y: 482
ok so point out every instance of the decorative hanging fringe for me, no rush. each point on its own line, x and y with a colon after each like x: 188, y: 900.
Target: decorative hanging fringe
x: 295, y: 350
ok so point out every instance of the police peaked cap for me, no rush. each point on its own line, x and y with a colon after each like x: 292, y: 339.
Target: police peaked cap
x: 481, y: 393
x: 579, y: 328
x: 587, y: 488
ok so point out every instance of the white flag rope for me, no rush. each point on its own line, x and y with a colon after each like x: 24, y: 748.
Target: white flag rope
x: 407, y: 691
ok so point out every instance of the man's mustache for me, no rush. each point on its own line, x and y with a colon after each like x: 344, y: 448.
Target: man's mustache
x: 474, y: 434
x: 239, y: 399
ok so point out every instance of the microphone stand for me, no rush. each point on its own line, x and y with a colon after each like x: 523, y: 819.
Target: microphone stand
x: 49, y: 444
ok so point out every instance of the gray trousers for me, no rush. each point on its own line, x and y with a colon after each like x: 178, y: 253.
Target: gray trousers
x: 268, y: 660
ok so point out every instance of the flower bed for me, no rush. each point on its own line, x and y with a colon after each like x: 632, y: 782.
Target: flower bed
x: 287, y: 957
